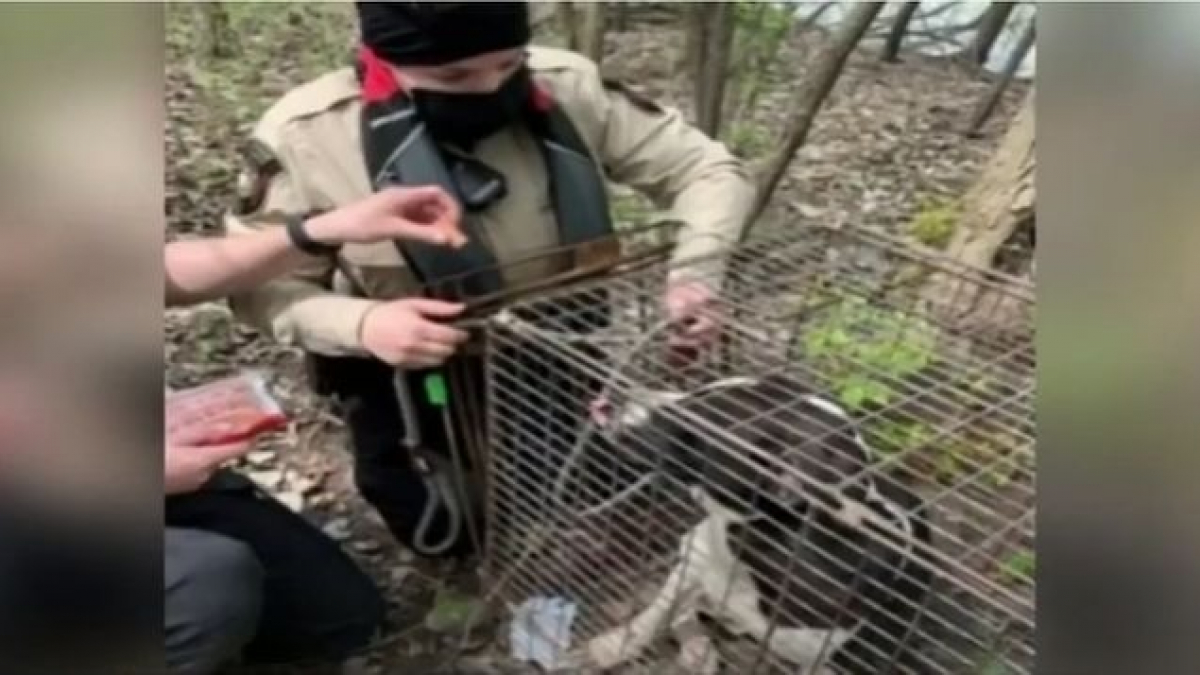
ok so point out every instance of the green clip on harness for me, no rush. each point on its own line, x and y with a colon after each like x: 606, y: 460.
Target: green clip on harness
x: 441, y: 491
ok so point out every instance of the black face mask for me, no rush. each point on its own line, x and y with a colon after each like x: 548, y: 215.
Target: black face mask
x: 466, y: 119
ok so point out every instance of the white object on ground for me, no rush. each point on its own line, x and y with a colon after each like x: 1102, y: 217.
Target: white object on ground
x: 541, y: 630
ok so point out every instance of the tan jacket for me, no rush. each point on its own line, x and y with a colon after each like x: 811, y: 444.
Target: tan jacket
x: 313, y: 133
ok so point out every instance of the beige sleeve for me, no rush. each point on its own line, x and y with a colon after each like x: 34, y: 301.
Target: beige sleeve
x: 298, y: 309
x: 695, y: 179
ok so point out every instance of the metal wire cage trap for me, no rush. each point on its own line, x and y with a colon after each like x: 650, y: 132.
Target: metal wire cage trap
x: 843, y: 483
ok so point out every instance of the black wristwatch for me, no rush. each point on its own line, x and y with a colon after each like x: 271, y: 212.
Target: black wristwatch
x: 300, y: 239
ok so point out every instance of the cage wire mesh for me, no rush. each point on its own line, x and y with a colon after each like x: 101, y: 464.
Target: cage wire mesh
x: 843, y: 484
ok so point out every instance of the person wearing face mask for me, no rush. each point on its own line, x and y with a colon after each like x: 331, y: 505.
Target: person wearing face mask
x: 526, y: 139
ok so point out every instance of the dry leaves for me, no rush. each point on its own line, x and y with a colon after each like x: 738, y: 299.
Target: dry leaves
x: 886, y: 137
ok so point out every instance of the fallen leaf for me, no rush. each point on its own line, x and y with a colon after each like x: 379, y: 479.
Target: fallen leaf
x: 306, y: 484
x: 269, y: 478
x: 454, y: 612
x: 366, y: 546
x: 261, y: 458
x: 291, y: 499
x: 337, y: 529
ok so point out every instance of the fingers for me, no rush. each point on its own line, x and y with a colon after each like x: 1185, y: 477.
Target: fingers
x: 432, y: 332
x: 427, y: 204
x: 429, y: 234
x: 405, y: 198
x: 438, y: 309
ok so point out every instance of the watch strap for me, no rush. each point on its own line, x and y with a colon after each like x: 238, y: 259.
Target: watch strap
x: 300, y: 239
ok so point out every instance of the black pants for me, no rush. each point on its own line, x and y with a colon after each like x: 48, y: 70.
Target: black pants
x: 383, y: 470
x: 75, y: 594
x: 249, y: 573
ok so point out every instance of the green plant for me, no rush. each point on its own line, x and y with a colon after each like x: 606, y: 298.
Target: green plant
x: 994, y: 666
x: 761, y: 31
x: 867, y: 349
x: 748, y: 139
x: 1019, y: 566
x: 934, y: 223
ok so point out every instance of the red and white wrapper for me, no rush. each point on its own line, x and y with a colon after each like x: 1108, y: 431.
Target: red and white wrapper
x: 229, y: 410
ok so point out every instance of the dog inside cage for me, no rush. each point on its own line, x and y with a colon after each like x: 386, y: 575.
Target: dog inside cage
x: 842, y: 486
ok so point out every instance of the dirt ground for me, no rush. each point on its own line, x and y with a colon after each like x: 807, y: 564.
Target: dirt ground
x: 886, y: 142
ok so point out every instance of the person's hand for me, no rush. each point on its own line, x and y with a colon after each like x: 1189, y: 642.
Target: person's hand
x: 187, y: 467
x: 427, y: 214
x: 691, y: 309
x: 407, y: 333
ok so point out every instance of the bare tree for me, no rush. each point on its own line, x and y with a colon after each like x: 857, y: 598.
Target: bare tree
x: 995, y: 210
x: 218, y: 36
x: 620, y: 16
x: 994, y: 19
x: 811, y: 20
x: 760, y: 41
x: 696, y: 25
x: 891, y: 49
x: 812, y: 95
x: 592, y: 29
x: 712, y: 73
x: 569, y: 24
x: 544, y: 15
x: 985, y: 108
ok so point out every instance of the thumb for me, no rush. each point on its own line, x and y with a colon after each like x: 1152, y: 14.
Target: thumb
x: 435, y: 308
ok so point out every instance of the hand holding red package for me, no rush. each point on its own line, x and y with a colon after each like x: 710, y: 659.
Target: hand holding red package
x: 229, y: 410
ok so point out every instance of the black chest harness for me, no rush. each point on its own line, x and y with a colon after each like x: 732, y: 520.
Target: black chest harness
x: 399, y: 150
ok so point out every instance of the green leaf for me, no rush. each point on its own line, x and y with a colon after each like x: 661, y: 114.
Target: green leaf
x: 1020, y: 566
x: 453, y: 612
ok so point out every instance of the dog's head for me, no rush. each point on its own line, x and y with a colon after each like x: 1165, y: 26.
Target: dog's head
x: 747, y: 441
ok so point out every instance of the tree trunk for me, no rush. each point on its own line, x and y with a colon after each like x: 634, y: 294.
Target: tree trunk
x: 592, y: 28
x: 756, y: 60
x: 620, y: 16
x: 988, y: 104
x: 568, y: 21
x: 812, y: 95
x: 544, y: 15
x: 713, y: 74
x: 219, y: 39
x: 815, y: 16
x: 994, y: 19
x: 998, y: 207
x: 692, y: 62
x: 891, y: 49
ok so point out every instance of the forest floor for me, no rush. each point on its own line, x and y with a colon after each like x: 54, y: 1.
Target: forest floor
x: 885, y: 147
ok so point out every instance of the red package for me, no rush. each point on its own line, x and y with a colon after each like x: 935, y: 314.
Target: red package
x: 228, y: 410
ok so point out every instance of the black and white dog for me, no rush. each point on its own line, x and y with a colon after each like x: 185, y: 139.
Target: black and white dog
x: 795, y: 526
